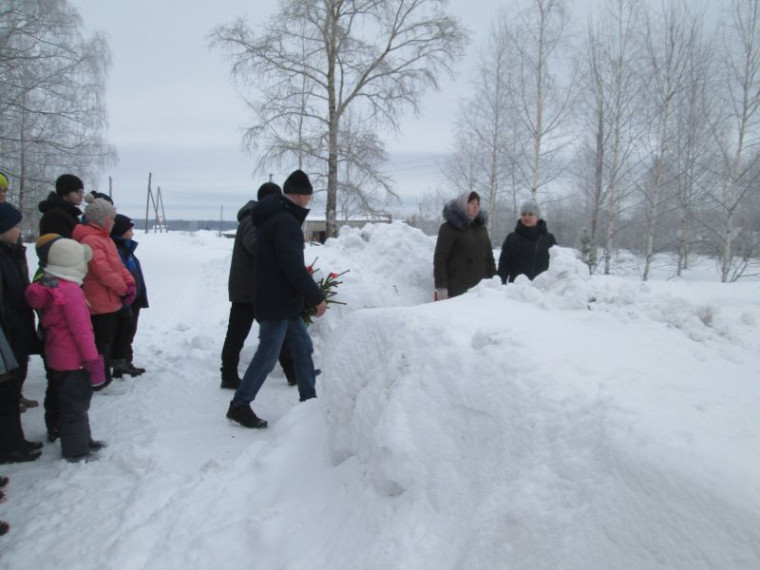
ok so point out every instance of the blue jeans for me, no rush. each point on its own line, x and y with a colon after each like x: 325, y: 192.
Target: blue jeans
x: 271, y: 336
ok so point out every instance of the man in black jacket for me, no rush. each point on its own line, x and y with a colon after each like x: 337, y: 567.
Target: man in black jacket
x: 60, y: 210
x: 240, y: 287
x: 283, y: 286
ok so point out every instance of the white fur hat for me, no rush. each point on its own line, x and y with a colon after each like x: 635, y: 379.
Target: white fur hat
x: 67, y: 259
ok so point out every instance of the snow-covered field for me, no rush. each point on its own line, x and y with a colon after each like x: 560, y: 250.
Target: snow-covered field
x: 570, y: 423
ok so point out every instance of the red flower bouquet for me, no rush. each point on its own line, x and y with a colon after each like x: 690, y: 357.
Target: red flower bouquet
x: 328, y: 285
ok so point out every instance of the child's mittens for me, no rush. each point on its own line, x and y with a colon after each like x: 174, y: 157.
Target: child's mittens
x: 97, y: 371
x: 131, y: 294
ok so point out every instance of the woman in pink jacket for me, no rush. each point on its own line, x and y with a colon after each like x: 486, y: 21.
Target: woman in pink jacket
x: 70, y: 352
x: 108, y: 285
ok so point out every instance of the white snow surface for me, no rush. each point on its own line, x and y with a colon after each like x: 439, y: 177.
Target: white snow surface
x: 572, y: 422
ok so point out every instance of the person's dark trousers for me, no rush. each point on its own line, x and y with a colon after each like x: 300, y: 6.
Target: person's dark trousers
x: 238, y: 327
x: 74, y: 395
x: 104, y: 327
x: 11, y: 434
x: 272, y: 334
x: 51, y: 403
x: 126, y: 328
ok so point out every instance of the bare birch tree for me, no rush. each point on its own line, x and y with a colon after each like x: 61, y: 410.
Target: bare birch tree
x: 670, y: 38
x: 739, y: 140
x: 486, y: 126
x: 612, y: 85
x: 695, y: 123
x: 52, y: 109
x: 377, y: 56
x: 537, y: 34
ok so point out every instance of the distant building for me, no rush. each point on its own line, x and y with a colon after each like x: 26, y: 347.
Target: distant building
x: 315, y: 227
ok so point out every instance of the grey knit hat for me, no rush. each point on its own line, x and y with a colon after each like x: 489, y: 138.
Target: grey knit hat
x: 530, y: 207
x: 98, y: 209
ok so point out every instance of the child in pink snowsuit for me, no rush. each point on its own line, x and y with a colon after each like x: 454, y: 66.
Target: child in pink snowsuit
x: 70, y: 352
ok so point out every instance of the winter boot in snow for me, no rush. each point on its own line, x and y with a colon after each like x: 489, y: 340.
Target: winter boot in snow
x: 32, y: 445
x: 133, y: 370
x: 119, y: 367
x: 84, y: 458
x: 28, y: 403
x: 245, y: 417
x: 20, y: 456
x: 96, y: 445
x: 230, y: 378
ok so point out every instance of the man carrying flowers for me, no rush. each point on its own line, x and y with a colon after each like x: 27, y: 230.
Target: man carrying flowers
x: 283, y: 287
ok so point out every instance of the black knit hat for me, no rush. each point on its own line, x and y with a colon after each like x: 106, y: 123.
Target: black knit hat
x: 10, y: 217
x: 121, y: 225
x: 68, y: 183
x: 97, y: 194
x: 297, y: 183
x: 267, y: 189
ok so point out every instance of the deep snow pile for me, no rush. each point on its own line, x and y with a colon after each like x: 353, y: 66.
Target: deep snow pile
x: 574, y: 422
x: 567, y: 423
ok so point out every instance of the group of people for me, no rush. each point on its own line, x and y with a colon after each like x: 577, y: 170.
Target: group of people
x: 464, y: 255
x: 86, y: 294
x: 89, y: 290
x: 268, y: 250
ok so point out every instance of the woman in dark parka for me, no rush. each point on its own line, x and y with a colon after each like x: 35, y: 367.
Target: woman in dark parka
x: 526, y: 250
x: 463, y: 252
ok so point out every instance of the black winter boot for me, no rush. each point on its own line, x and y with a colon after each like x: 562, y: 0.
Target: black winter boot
x: 122, y: 366
x: 230, y: 379
x: 133, y: 370
x: 20, y: 456
x: 119, y: 367
x: 245, y: 417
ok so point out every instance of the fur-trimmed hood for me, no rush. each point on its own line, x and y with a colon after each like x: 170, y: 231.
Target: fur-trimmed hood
x: 457, y: 217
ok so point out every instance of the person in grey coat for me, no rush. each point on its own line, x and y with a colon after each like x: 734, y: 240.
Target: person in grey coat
x: 240, y: 288
x: 463, y: 253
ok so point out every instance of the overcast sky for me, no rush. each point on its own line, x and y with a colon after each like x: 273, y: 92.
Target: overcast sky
x: 174, y: 112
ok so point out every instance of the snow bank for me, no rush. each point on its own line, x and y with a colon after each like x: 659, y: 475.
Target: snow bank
x: 523, y: 422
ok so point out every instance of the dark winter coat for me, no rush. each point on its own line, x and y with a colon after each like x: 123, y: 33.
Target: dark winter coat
x: 16, y: 316
x: 463, y: 253
x: 525, y: 252
x: 242, y: 269
x: 283, y: 285
x: 58, y: 216
x: 126, y: 249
